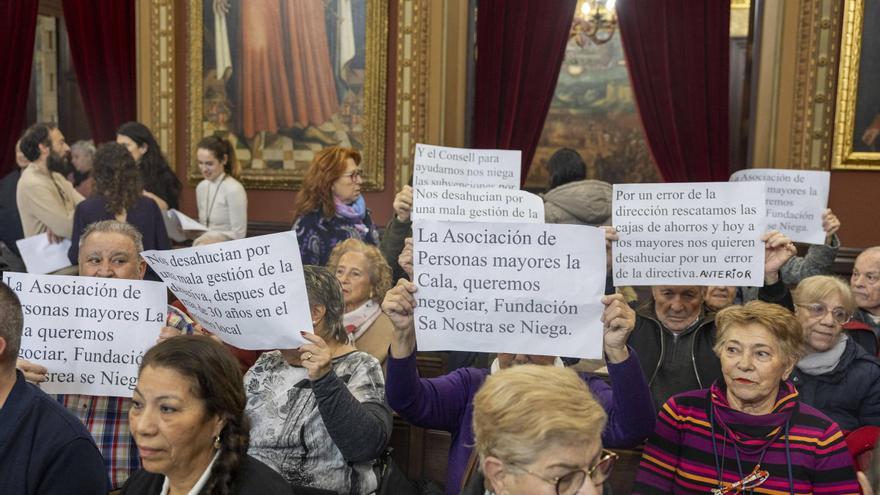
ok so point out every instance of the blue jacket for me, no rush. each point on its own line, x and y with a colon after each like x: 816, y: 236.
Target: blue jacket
x: 850, y: 393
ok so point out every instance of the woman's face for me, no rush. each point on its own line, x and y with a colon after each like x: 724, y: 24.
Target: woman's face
x: 348, y: 186
x: 753, y: 366
x: 136, y: 151
x: 821, y: 333
x: 719, y: 297
x: 555, y: 462
x: 353, y: 272
x: 210, y: 166
x: 81, y: 159
x: 174, y: 434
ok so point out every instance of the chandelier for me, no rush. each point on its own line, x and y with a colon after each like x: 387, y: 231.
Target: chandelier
x: 594, y: 20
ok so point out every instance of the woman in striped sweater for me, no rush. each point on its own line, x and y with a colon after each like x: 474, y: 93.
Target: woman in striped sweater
x: 748, y: 433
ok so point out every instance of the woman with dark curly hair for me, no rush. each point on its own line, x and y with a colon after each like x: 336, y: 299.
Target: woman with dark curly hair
x: 188, y: 419
x: 158, y: 180
x: 118, y: 196
x: 330, y: 207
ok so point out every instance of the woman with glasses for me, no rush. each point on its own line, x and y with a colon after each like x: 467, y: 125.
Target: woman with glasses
x: 552, y: 446
x: 330, y: 208
x: 750, y: 432
x: 835, y: 375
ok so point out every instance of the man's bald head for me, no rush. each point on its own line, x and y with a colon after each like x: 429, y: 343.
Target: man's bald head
x: 865, y: 280
x: 111, y: 249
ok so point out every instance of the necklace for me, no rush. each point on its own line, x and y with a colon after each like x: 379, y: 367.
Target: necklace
x: 214, y: 198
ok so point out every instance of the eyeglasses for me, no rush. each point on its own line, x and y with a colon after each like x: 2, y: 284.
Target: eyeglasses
x: 819, y: 310
x: 354, y: 175
x: 571, y: 483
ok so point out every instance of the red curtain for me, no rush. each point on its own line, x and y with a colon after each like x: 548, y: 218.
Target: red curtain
x: 18, y: 27
x: 678, y: 57
x: 520, y: 48
x: 102, y: 45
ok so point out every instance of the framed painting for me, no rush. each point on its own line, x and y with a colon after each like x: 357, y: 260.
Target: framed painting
x: 857, y: 119
x: 284, y: 79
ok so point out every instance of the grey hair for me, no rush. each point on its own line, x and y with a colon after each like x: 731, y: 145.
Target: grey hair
x: 114, y: 227
x: 324, y: 290
x: 11, y: 324
x: 84, y: 145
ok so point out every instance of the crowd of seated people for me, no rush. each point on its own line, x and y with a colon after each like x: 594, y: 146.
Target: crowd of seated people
x: 716, y: 387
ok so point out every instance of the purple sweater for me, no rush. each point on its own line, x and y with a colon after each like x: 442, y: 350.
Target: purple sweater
x: 446, y: 403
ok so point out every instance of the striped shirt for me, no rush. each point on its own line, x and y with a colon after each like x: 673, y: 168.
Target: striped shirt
x: 802, y: 449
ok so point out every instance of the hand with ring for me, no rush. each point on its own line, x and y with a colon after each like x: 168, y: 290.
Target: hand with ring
x: 316, y: 357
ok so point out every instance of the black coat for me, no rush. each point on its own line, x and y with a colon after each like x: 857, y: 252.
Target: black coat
x: 850, y: 393
x: 254, y: 478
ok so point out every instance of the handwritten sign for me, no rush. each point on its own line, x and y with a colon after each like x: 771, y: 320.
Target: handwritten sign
x: 477, y: 205
x: 498, y: 287
x: 689, y: 234
x: 795, y: 201
x: 250, y: 292
x: 90, y: 333
x: 458, y: 167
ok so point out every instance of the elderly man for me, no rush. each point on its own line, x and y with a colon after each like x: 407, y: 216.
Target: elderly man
x: 46, y: 200
x: 108, y: 249
x: 43, y: 448
x: 865, y: 284
x: 674, y: 331
x: 446, y: 402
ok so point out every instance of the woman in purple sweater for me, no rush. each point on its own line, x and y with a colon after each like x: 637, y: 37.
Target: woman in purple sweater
x: 446, y: 402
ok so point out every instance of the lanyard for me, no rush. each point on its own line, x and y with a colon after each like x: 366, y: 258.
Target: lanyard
x: 211, y: 207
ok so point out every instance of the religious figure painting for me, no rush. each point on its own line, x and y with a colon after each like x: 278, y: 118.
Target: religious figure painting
x: 283, y: 79
x: 857, y: 123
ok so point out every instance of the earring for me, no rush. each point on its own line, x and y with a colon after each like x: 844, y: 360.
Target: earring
x: 217, y: 442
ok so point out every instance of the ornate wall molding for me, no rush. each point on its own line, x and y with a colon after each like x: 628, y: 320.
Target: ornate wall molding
x: 411, y: 76
x: 155, y: 65
x: 812, y: 125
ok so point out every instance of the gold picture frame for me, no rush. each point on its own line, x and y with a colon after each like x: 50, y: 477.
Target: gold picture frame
x: 852, y: 111
x: 286, y: 172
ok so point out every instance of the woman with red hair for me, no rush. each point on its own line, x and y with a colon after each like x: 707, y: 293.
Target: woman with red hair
x: 330, y: 208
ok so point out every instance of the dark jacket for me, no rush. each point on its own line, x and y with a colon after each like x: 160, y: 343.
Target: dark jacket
x: 647, y: 338
x: 254, y: 478
x: 850, y: 393
x: 317, y: 235
x: 392, y: 244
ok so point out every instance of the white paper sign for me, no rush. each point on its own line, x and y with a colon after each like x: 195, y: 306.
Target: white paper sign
x: 702, y: 233
x: 250, y: 292
x: 477, y: 205
x: 41, y: 256
x: 441, y: 166
x: 90, y: 333
x: 795, y: 201
x: 516, y: 288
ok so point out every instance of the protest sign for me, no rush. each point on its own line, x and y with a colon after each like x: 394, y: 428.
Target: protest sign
x: 43, y: 256
x: 477, y: 205
x: 90, y: 333
x: 505, y: 287
x: 705, y: 233
x: 795, y: 201
x: 458, y: 167
x: 250, y: 292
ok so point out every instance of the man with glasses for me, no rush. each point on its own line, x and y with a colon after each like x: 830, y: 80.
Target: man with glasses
x: 865, y: 284
x: 447, y: 402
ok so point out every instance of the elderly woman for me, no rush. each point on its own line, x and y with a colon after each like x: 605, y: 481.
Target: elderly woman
x: 187, y: 418
x: 82, y: 156
x: 836, y: 376
x: 330, y: 207
x: 365, y: 277
x: 446, y: 402
x: 118, y: 197
x: 551, y: 447
x: 221, y: 198
x: 158, y: 180
x: 319, y: 414
x: 750, y: 429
